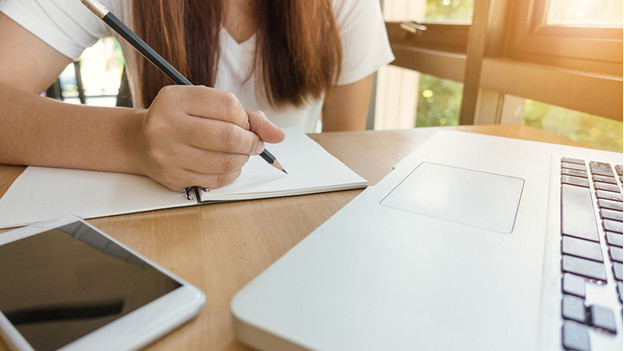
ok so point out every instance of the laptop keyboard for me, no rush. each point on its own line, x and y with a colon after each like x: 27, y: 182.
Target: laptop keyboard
x: 591, y: 253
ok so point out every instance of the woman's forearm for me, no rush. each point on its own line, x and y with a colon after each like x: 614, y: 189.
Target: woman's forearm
x: 36, y: 130
x: 190, y: 135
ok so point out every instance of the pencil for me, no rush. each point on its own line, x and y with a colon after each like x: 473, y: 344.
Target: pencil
x: 141, y: 46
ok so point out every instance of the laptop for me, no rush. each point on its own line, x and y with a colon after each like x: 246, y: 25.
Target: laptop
x: 472, y: 242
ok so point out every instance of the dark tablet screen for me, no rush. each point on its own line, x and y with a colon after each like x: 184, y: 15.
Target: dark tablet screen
x: 64, y: 283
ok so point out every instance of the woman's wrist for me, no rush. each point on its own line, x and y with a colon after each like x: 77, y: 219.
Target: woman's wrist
x: 137, y: 160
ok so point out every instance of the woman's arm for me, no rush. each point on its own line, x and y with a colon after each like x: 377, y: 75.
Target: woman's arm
x: 346, y: 106
x: 191, y: 135
x: 41, y: 131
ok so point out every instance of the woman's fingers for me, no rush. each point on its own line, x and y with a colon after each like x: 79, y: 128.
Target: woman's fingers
x: 216, y: 135
x: 205, y: 102
x: 212, y: 181
x: 211, y: 162
x: 179, y: 173
x: 199, y: 136
x: 260, y: 125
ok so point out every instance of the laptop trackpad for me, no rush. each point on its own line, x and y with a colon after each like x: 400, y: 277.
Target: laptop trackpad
x: 465, y: 196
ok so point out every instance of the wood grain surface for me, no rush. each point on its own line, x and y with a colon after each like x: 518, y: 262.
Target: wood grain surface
x: 221, y: 247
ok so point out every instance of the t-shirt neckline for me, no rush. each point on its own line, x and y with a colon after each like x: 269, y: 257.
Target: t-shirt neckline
x: 249, y: 41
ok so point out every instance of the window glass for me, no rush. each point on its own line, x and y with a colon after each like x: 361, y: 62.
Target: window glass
x: 100, y: 67
x: 438, y: 11
x: 439, y: 102
x: 592, y: 130
x: 408, y: 99
x: 399, y: 96
x: 585, y: 12
x: 449, y: 11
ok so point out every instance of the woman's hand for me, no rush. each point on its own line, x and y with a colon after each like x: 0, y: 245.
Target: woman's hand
x: 199, y: 136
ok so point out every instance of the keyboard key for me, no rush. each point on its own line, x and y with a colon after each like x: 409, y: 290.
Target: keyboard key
x: 566, y: 179
x: 603, y: 179
x: 601, y: 168
x: 614, y: 239
x: 609, y: 195
x: 577, y: 213
x: 612, y: 226
x: 608, y: 204
x: 619, y: 290
x: 618, y: 169
x: 573, y: 308
x: 602, y: 317
x: 575, y: 166
x: 605, y: 186
x: 617, y: 271
x: 573, y: 160
x: 611, y: 214
x: 573, y: 285
x: 586, y: 268
x: 573, y: 172
x: 581, y: 248
x: 615, y: 253
x: 575, y: 336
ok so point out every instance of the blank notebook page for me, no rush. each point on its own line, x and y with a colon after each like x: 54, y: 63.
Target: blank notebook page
x: 310, y: 169
x: 42, y: 193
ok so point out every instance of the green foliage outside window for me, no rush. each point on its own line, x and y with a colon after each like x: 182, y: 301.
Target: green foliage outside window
x: 592, y: 130
x: 439, y: 101
x: 449, y: 11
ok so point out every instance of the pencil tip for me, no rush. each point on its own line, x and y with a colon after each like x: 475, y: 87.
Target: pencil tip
x: 277, y: 165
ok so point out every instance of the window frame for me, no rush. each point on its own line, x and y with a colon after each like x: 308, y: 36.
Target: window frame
x: 440, y: 50
x: 506, y: 38
x: 587, y: 48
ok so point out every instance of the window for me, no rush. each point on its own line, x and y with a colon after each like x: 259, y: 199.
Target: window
x: 406, y: 98
x: 439, y: 101
x: 589, y: 129
x: 538, y: 62
x: 449, y: 11
x: 598, y: 13
x: 100, y: 72
x: 575, y: 34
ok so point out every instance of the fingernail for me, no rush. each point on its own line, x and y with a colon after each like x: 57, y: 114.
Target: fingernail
x: 259, y: 148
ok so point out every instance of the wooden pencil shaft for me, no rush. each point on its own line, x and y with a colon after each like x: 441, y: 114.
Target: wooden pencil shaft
x: 156, y: 59
x: 142, y: 47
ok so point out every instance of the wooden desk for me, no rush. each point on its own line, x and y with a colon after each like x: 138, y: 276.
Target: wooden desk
x: 221, y: 247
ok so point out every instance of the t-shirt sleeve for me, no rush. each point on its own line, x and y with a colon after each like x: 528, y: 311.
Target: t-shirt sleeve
x: 66, y: 25
x: 365, y: 45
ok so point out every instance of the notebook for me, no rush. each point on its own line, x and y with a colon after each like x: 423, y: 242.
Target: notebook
x: 41, y: 193
x: 464, y: 245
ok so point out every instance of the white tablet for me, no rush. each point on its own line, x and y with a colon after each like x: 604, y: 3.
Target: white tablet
x: 66, y: 285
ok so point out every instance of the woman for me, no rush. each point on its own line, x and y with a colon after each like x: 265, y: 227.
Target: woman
x: 294, y: 60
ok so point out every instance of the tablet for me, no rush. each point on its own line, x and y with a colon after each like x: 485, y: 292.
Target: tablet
x: 65, y: 284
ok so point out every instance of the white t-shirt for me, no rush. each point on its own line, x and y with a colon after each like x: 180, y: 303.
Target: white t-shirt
x: 69, y: 27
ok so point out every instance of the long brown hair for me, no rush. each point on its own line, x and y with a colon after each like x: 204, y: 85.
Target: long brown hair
x: 298, y: 49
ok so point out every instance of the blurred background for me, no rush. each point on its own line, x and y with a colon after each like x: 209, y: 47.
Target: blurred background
x: 519, y: 47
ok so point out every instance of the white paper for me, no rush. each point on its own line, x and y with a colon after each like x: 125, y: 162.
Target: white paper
x: 310, y: 169
x: 42, y: 193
